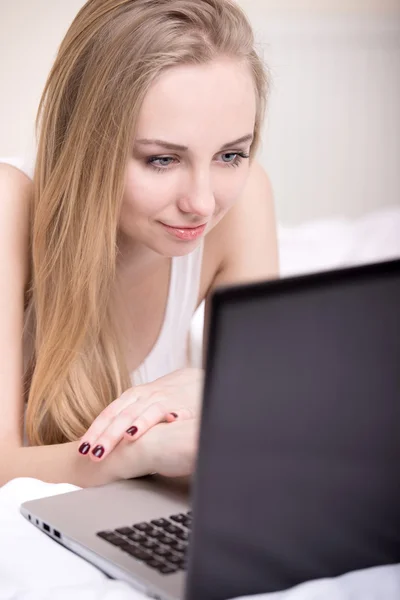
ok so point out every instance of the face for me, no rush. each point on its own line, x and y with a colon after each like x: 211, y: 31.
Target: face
x: 189, y: 160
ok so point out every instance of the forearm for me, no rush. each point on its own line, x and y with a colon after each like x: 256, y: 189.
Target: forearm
x: 59, y: 463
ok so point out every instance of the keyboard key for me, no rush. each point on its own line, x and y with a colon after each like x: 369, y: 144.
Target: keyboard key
x: 157, y: 534
x: 179, y: 553
x: 121, y: 542
x: 112, y: 538
x: 174, y: 559
x: 160, y: 522
x: 138, y: 553
x: 151, y: 534
x: 187, y: 522
x: 106, y: 534
x: 161, y: 551
x: 126, y: 546
x: 179, y: 546
x: 172, y: 529
x: 135, y: 536
x: 178, y: 518
x: 148, y: 543
x: 144, y: 527
x: 183, y: 535
x: 154, y: 563
x: 165, y: 539
x: 167, y: 570
x: 171, y: 542
x: 124, y: 530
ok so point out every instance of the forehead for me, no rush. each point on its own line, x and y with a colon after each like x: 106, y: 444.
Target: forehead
x: 200, y: 104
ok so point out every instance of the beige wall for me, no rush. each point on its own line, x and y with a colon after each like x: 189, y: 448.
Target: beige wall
x: 331, y: 143
x: 370, y: 7
x: 30, y: 32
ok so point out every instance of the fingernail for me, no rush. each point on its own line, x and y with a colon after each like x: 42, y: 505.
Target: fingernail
x: 132, y: 430
x: 98, y: 451
x: 84, y: 448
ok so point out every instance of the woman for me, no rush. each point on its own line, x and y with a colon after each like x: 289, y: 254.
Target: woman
x: 146, y: 196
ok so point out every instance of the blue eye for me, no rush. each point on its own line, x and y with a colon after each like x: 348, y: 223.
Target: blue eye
x: 238, y: 157
x: 234, y: 154
x: 160, y: 166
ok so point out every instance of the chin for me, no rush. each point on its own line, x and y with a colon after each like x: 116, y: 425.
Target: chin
x: 172, y: 249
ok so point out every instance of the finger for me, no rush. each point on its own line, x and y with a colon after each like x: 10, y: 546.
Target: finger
x: 182, y: 414
x: 117, y: 427
x: 154, y: 414
x: 113, y: 434
x: 109, y: 429
x: 104, y: 419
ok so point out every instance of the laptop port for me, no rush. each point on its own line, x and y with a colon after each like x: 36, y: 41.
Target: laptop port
x: 57, y: 534
x: 46, y: 527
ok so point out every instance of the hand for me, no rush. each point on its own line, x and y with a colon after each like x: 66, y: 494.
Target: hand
x: 176, y: 396
x: 125, y: 461
x: 168, y: 449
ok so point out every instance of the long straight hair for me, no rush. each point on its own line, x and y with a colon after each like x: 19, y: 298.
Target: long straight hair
x: 112, y: 53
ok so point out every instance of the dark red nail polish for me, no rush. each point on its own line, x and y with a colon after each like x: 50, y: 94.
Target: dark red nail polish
x: 174, y: 415
x: 98, y: 451
x: 84, y: 448
x: 132, y: 430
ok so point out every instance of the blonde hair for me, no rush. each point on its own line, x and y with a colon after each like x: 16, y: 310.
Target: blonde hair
x: 110, y: 56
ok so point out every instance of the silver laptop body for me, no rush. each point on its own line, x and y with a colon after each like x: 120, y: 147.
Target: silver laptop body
x: 76, y: 518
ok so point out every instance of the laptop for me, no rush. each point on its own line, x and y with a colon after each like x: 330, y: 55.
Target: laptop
x: 298, y: 471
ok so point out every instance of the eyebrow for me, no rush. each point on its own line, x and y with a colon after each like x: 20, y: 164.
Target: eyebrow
x: 171, y: 146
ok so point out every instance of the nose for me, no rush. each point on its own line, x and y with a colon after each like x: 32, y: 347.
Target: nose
x: 198, y: 199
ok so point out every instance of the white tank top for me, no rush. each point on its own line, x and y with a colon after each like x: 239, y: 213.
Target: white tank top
x: 172, y: 348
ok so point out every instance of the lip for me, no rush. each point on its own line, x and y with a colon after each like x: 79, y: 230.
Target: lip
x: 185, y: 233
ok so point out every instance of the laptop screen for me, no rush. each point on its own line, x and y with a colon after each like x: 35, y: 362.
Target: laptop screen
x: 298, y: 475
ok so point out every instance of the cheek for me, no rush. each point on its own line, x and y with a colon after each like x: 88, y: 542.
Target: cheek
x: 230, y: 189
x: 144, y: 192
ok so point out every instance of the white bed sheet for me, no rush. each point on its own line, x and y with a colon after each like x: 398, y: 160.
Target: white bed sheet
x: 33, y: 567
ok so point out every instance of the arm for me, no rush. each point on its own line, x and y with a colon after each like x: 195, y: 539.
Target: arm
x: 245, y: 241
x: 58, y: 463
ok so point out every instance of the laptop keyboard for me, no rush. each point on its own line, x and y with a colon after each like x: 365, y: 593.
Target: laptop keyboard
x: 161, y: 543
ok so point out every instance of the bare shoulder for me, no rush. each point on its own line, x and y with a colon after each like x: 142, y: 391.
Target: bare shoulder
x: 16, y: 194
x: 9, y: 174
x: 15, y: 199
x: 243, y: 246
